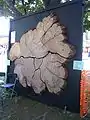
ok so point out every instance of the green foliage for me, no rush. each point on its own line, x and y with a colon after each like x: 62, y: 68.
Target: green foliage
x: 86, y: 21
x: 22, y: 7
x: 28, y: 7
x: 3, y: 8
x: 14, y: 7
x: 1, y: 2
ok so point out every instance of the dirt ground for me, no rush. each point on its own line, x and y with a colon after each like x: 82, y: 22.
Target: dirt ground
x: 25, y: 109
x: 21, y: 108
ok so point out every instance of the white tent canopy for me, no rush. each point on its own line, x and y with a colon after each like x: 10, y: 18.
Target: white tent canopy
x: 4, y: 26
x: 4, y: 34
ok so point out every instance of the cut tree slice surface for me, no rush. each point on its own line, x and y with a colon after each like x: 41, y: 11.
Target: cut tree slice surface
x: 53, y: 82
x: 37, y: 83
x: 41, y: 56
x: 64, y: 49
x: 15, y: 51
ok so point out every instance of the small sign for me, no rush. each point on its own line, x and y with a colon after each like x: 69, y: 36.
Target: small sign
x: 13, y: 34
x: 8, y: 62
x: 78, y: 65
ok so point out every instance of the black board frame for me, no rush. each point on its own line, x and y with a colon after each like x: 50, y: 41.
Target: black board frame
x: 71, y: 15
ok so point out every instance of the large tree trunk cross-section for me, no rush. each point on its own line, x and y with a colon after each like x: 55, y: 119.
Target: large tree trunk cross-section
x: 41, y: 55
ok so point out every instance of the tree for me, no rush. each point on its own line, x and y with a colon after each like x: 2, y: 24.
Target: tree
x: 86, y: 21
x: 17, y: 8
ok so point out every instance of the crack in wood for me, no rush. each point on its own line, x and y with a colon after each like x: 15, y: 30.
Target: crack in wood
x: 54, y: 73
x: 37, y: 68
